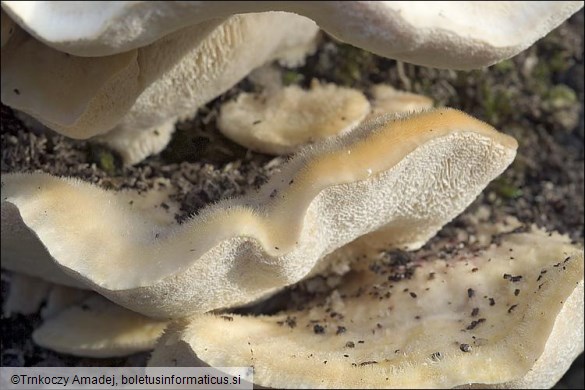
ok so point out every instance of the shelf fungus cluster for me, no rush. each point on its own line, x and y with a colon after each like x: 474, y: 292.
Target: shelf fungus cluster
x: 117, y: 275
x: 123, y: 73
x: 389, y: 184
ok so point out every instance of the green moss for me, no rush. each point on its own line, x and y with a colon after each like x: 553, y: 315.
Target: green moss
x: 506, y: 190
x: 561, y: 96
x: 105, y: 159
x: 107, y: 163
x: 351, y: 63
x: 540, y: 80
x: 541, y: 71
x: 496, y: 102
x: 558, y: 63
x: 291, y: 77
x: 504, y: 66
x: 544, y: 71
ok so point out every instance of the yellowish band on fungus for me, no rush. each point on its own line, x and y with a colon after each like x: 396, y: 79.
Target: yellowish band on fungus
x: 418, y: 172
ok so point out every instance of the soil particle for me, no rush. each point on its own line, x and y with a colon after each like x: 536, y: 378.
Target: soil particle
x: 318, y: 329
x: 465, y: 347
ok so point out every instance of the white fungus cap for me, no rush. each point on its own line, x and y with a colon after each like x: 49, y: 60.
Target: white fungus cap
x: 445, y: 34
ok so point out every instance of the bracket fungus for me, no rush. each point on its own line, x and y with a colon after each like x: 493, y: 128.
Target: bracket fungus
x: 60, y: 298
x: 282, y: 121
x: 127, y: 71
x: 131, y: 100
x: 387, y: 100
x: 26, y: 295
x: 97, y: 327
x: 478, y: 317
x: 116, y: 271
x: 406, y: 176
x: 408, y: 31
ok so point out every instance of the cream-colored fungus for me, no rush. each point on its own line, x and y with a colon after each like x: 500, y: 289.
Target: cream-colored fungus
x: 132, y: 99
x: 510, y: 315
x: 97, y: 327
x: 408, y: 176
x: 125, y: 72
x: 283, y: 121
